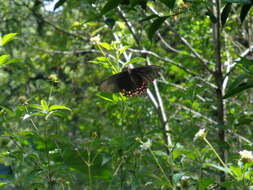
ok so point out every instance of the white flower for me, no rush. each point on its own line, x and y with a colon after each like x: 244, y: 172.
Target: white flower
x: 247, y: 155
x: 26, y: 116
x: 185, y: 178
x: 200, y: 134
x: 146, y: 145
x: 55, y: 151
x: 95, y: 40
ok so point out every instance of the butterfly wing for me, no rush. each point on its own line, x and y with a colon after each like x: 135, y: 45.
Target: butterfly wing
x: 132, y: 81
x: 146, y: 73
x: 117, y: 83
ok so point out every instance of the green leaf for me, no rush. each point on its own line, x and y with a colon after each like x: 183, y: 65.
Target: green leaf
x: 244, y: 11
x: 135, y: 60
x: 106, y: 97
x: 240, y: 88
x: 104, y: 59
x: 237, y: 171
x: 2, y: 184
x: 238, y: 81
x: 246, y: 64
x: 103, y: 64
x: 149, y: 17
x: 123, y: 49
x: 204, y: 183
x: 169, y: 3
x: 111, y: 4
x: 44, y: 105
x: 226, y: 170
x: 58, y: 107
x: 3, y: 59
x: 225, y: 13
x: 58, y: 4
x: 7, y: 38
x: 155, y: 26
x: 106, y: 45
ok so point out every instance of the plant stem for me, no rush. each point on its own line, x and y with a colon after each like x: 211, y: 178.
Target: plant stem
x: 224, y: 165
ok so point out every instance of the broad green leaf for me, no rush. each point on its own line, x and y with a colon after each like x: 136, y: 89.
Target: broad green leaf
x: 102, y: 59
x: 111, y: 4
x: 7, y: 38
x: 3, y: 59
x: 225, y: 13
x: 59, y: 3
x: 244, y: 11
x: 106, y: 45
x: 240, y: 88
x: 155, y: 26
x: 58, y: 107
x: 237, y: 171
x: 226, y: 170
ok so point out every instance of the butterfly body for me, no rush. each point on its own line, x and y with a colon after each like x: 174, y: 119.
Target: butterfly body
x: 131, y: 81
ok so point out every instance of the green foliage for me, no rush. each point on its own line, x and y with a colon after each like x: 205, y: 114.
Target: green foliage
x: 59, y: 132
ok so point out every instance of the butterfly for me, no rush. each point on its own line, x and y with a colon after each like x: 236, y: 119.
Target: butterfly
x: 131, y: 82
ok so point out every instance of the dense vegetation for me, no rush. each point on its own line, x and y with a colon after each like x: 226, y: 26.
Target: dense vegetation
x: 193, y: 128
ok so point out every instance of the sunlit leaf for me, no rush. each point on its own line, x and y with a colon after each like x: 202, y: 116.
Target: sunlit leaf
x: 7, y: 38
x: 136, y: 59
x: 44, y: 105
x: 3, y: 59
x: 106, y: 45
x: 58, y: 107
x: 122, y: 50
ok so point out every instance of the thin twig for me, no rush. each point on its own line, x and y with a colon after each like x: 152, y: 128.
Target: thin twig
x: 187, y: 44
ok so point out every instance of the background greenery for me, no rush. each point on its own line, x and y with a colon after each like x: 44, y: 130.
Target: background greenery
x: 59, y: 132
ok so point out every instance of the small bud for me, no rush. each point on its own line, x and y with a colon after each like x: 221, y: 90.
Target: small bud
x: 26, y: 116
x: 200, y: 134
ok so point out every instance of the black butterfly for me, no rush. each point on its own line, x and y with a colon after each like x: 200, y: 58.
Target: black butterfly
x: 131, y: 81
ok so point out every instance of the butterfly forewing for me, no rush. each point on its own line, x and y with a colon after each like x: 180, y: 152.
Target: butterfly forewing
x: 147, y: 73
x: 112, y: 83
x: 132, y: 81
